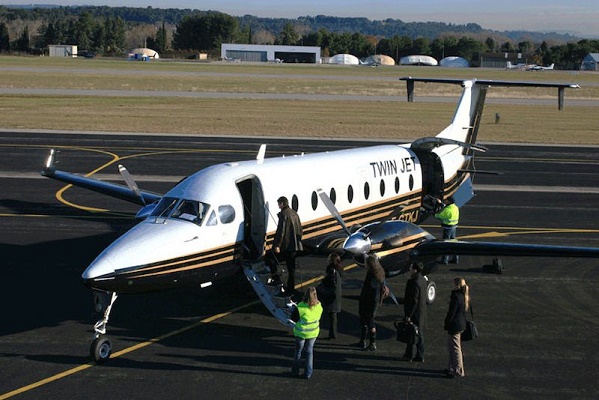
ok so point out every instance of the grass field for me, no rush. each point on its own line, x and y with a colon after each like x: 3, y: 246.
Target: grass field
x: 384, y: 119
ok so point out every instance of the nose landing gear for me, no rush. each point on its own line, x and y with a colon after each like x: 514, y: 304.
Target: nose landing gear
x: 101, y: 348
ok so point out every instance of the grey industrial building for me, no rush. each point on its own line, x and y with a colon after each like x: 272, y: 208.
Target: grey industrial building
x: 264, y: 53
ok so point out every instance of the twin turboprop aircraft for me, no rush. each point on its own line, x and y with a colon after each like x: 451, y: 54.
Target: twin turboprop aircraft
x: 222, y: 219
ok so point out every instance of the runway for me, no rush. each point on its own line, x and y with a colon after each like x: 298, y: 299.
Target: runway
x: 538, y: 320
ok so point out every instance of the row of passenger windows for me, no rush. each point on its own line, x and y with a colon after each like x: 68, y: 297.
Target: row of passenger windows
x: 351, y: 194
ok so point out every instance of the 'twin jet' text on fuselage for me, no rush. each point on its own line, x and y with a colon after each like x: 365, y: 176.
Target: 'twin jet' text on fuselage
x: 389, y: 167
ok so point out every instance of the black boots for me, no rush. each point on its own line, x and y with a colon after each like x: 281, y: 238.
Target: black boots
x: 362, y: 342
x: 372, y: 345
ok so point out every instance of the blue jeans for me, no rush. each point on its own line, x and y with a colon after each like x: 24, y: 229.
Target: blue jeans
x: 449, y: 232
x: 307, y: 346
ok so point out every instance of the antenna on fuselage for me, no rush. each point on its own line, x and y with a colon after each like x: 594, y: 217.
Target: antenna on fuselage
x: 261, y: 154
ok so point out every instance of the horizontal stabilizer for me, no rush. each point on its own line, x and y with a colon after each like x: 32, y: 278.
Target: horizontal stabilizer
x: 429, y: 143
x: 441, y: 247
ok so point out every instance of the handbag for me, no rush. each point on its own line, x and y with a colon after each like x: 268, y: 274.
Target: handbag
x: 471, y: 331
x: 407, y: 332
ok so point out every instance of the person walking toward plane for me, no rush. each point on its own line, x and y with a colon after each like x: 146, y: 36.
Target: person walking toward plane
x: 287, y: 241
x: 307, y: 327
x: 370, y: 298
x: 449, y: 216
x: 415, y: 311
x: 332, y: 287
x: 455, y: 324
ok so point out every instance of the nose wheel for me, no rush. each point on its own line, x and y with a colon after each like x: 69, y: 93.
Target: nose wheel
x: 101, y: 348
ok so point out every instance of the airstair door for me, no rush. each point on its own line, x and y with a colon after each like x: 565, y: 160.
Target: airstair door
x: 254, y: 216
x: 254, y: 237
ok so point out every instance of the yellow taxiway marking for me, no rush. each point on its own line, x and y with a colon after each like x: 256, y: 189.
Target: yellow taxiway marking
x: 120, y: 353
x: 146, y: 343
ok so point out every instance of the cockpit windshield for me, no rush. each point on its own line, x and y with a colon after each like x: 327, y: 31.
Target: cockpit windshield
x: 188, y: 210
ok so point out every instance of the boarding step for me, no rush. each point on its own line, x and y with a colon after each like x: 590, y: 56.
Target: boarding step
x: 276, y: 301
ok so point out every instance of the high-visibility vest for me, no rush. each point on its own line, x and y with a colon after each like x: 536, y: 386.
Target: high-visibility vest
x: 449, y: 216
x: 308, y: 326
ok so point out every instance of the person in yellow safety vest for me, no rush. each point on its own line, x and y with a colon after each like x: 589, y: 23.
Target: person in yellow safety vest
x: 449, y: 216
x: 307, y: 327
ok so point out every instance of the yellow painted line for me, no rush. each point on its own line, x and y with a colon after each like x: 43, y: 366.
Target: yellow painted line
x: 146, y: 343
x: 107, y: 215
x: 130, y: 349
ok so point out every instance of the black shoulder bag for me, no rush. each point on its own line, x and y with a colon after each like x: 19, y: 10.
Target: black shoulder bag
x: 471, y: 331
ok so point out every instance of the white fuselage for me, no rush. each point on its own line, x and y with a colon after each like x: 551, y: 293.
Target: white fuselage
x: 365, y: 185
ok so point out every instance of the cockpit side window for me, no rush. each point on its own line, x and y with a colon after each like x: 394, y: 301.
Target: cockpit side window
x: 226, y: 214
x: 164, y: 207
x: 211, y: 219
x: 190, y: 210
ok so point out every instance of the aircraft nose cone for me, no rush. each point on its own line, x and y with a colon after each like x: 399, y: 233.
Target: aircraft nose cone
x: 100, y: 267
x: 357, y: 244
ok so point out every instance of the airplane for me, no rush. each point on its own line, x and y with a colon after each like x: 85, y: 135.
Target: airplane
x: 540, y: 67
x: 519, y: 66
x: 221, y: 220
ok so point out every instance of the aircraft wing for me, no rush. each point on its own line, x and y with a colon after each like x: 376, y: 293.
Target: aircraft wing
x: 111, y: 189
x: 441, y: 247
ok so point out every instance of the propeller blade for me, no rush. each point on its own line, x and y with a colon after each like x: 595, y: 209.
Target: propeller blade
x: 332, y: 209
x: 131, y: 183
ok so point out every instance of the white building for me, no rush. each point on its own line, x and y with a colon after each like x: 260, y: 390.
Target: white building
x: 264, y: 53
x: 62, y: 50
x: 344, y: 59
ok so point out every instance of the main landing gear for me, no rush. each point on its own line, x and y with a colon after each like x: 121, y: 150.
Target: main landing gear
x: 101, y: 348
x: 431, y: 291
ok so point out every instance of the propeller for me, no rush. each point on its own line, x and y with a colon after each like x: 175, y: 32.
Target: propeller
x: 358, y: 243
x: 333, y: 210
x: 131, y: 183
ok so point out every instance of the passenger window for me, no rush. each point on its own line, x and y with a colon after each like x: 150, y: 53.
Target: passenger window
x: 382, y: 188
x: 294, y: 203
x: 396, y: 185
x: 366, y: 191
x: 333, y: 195
x: 350, y: 193
x: 226, y: 214
x: 314, y: 200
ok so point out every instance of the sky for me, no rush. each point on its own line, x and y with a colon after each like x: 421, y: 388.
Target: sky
x: 574, y: 16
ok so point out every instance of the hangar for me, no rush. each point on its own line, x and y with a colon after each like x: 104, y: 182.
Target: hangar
x: 345, y: 59
x: 417, y: 60
x: 263, y: 53
x: 590, y: 62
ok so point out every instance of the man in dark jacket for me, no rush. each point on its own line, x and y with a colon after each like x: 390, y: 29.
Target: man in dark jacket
x: 415, y: 311
x: 287, y: 241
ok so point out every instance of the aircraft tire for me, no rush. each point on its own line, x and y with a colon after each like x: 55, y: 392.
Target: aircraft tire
x: 100, y: 349
x: 431, y: 292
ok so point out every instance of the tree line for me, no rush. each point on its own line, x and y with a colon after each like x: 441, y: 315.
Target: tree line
x: 110, y: 31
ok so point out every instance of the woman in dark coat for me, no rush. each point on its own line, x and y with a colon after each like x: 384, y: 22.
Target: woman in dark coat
x: 455, y: 324
x: 370, y: 298
x: 332, y: 286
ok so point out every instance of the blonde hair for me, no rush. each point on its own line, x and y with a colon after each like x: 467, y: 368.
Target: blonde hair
x: 460, y: 283
x: 311, y: 297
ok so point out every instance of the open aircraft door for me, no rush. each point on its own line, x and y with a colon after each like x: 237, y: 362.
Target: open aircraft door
x: 255, y: 215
